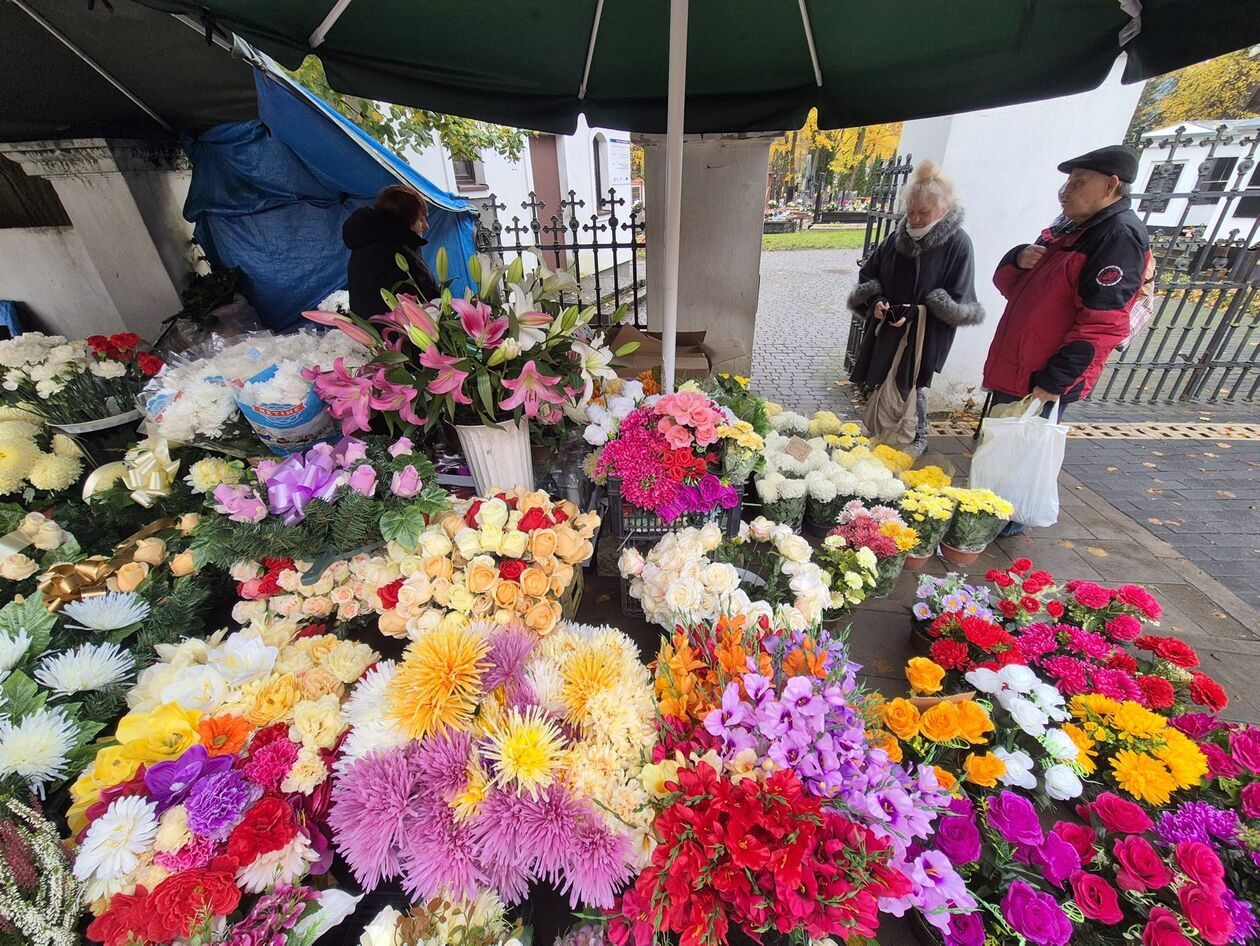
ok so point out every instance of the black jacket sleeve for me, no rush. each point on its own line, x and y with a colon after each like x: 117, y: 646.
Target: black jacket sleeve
x: 869, y: 289
x: 954, y: 302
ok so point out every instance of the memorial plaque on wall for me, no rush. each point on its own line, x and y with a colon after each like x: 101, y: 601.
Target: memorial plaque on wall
x: 1163, y: 181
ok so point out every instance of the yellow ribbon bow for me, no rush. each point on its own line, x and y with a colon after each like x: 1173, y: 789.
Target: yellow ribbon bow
x: 86, y: 578
x: 147, y: 470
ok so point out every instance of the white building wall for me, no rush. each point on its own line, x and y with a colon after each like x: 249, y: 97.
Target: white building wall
x: 49, y: 271
x: 1004, y: 165
x: 1217, y: 220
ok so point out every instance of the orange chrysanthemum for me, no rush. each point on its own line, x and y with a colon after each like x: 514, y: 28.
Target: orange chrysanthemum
x: 438, y: 682
x: 224, y: 735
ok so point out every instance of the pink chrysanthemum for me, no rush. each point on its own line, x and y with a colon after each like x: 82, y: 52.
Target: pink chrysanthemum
x: 438, y: 855
x: 510, y: 649
x: 441, y: 764
x: 598, y: 863
x: 271, y: 764
x: 1037, y: 640
x: 1089, y: 595
x: 502, y: 855
x: 548, y: 826
x: 1089, y: 644
x: 370, y: 803
x: 1069, y: 673
x: 196, y: 853
x: 1124, y: 628
x: 1116, y: 684
x: 1135, y: 596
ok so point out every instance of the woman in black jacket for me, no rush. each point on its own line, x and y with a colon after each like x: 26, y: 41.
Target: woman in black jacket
x: 927, y: 260
x: 375, y: 236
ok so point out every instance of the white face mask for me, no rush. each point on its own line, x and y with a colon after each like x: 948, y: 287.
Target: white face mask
x: 917, y: 233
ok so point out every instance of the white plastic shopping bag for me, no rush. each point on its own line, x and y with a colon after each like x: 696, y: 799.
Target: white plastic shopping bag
x: 1019, y: 459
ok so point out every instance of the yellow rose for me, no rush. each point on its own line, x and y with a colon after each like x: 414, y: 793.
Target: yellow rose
x: 493, y: 515
x: 506, y: 593
x: 409, y: 565
x: 902, y: 718
x: 941, y: 722
x: 490, y: 539
x: 461, y: 599
x: 129, y: 577
x: 543, y: 617
x: 188, y: 521
x: 571, y: 547
x: 542, y: 543
x: 534, y: 582
x: 480, y: 575
x: 468, y: 543
x: 925, y: 675
x: 435, y: 542
x: 392, y: 624
x: 160, y: 735
x: 439, y: 566
x: 316, y: 682
x: 514, y: 544
x: 184, y: 564
x: 274, y: 701
x: 317, y: 723
x: 151, y: 551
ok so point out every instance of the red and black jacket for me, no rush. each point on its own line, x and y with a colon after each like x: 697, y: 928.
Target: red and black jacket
x: 1066, y: 315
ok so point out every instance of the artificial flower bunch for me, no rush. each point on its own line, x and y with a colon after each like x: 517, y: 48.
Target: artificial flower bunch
x: 962, y: 642
x: 881, y: 531
x: 789, y: 423
x: 1136, y: 750
x: 36, y: 462
x: 778, y: 568
x: 72, y: 382
x: 609, y: 407
x: 487, y: 758
x: 838, y: 433
x: 1024, y: 595
x: 446, y: 921
x: 279, y: 589
x: 939, y: 594
x: 503, y: 559
x: 945, y: 733
x: 929, y: 477
x: 853, y: 572
x: 508, y: 348
x: 330, y: 498
x: 667, y: 458
x: 37, y: 534
x: 217, y: 783
x: 781, y: 483
x: 782, y: 498
x: 979, y: 516
x: 897, y: 461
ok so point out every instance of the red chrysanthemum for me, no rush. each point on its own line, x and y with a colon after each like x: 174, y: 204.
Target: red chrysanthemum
x: 1021, y: 565
x: 1207, y: 692
x: 1169, y: 648
x: 950, y: 654
x: 1157, y: 693
x: 1090, y: 595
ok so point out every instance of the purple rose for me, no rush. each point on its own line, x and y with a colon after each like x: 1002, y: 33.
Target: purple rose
x: 1196, y: 725
x: 239, y: 503
x: 1251, y: 800
x: 1015, y: 819
x: 363, y: 479
x: 710, y: 489
x: 958, y: 838
x: 1036, y: 916
x: 406, y: 482
x: 729, y: 497
x: 965, y: 929
x: 349, y: 451
x: 1057, y: 859
x: 1244, y: 745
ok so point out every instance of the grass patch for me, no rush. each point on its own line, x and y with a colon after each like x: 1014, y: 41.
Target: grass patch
x: 816, y: 238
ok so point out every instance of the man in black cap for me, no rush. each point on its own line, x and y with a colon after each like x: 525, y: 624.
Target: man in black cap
x: 1069, y: 294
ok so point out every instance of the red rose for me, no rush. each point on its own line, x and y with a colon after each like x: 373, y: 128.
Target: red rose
x: 1004, y: 581
x: 127, y: 919
x: 1207, y: 692
x: 389, y: 594
x: 950, y: 654
x: 268, y: 586
x: 267, y: 827
x: 1157, y: 693
x: 511, y: 569
x: 1008, y: 608
x: 1021, y: 565
x: 149, y: 364
x: 1201, y: 864
x: 1163, y: 929
x: 124, y: 341
x: 1120, y: 816
x: 1030, y: 604
x: 1096, y: 898
x: 1139, y: 868
x: 470, y: 517
x: 178, y: 902
x: 1170, y: 649
x: 534, y: 519
x: 1080, y: 837
x: 1054, y: 609
x: 1206, y: 913
x: 559, y: 515
x: 993, y: 574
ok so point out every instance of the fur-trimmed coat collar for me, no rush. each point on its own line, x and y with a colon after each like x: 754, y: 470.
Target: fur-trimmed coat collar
x: 939, y: 235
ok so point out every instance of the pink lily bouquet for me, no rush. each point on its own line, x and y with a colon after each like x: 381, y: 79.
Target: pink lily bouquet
x: 507, y: 350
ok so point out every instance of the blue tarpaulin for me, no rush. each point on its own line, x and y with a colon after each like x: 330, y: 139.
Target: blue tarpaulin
x: 270, y: 196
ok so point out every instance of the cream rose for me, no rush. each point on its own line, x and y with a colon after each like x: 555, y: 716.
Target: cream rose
x: 514, y: 544
x: 392, y: 624
x: 151, y: 551
x: 435, y: 542
x: 17, y: 567
x: 317, y: 723
x: 493, y: 515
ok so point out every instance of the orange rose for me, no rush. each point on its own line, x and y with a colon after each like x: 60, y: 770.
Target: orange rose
x: 586, y: 523
x: 940, y: 723
x: 534, y: 500
x: 439, y: 566
x: 150, y: 551
x: 543, y: 617
x: 925, y: 675
x: 558, y: 586
x: 129, y: 577
x: 392, y: 624
x: 973, y: 722
x: 891, y: 746
x: 564, y: 572
x: 481, y: 575
x: 451, y: 524
x: 571, y: 547
x: 984, y: 770
x: 183, y: 564
x: 506, y: 593
x: 902, y: 718
x: 946, y: 778
x: 542, y: 543
x: 534, y: 582
x: 188, y: 521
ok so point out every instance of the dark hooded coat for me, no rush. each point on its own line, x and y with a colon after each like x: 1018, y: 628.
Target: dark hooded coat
x: 374, y: 237
x: 944, y: 282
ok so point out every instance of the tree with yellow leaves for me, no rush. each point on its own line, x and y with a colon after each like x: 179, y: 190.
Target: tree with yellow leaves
x: 1222, y: 88
x: 827, y: 157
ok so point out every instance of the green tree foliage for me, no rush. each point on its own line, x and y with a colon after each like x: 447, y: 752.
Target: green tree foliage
x: 399, y: 127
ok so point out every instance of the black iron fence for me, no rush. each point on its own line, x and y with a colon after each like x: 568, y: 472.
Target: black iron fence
x: 605, y: 250
x: 887, y: 180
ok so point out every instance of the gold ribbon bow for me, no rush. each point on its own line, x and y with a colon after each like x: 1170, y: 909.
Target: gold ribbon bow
x: 147, y: 470
x: 86, y: 578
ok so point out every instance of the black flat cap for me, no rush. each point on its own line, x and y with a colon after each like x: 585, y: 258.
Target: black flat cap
x: 1113, y: 159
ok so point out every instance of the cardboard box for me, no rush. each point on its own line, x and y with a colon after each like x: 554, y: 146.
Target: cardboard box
x: 695, y: 357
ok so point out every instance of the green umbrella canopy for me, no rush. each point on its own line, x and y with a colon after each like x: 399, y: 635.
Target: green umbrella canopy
x: 749, y: 62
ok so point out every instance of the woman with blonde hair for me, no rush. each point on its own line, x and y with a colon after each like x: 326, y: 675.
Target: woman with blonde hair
x: 926, y: 261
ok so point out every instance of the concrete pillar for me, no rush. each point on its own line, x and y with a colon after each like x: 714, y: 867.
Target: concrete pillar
x: 1003, y: 162
x: 723, y: 203
x: 124, y: 200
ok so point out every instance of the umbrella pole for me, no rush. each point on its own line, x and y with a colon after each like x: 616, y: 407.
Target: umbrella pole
x: 673, y: 183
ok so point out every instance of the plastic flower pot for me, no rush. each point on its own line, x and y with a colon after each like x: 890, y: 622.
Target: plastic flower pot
x: 920, y: 640
x: 498, y: 457
x: 915, y: 562
x: 957, y: 556
x: 886, y: 574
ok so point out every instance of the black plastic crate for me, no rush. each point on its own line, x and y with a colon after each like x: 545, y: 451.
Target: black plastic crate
x: 628, y: 521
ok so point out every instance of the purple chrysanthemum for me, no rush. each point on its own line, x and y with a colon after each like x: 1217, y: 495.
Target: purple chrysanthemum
x: 1199, y: 821
x: 598, y: 863
x: 370, y: 803
x: 441, y: 764
x: 548, y: 825
x: 438, y: 855
x: 1243, y: 915
x: 216, y: 803
x: 510, y: 649
x: 497, y: 834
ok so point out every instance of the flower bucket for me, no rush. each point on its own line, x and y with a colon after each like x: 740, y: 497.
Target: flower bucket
x: 887, y: 572
x: 915, y: 562
x: 498, y: 457
x: 956, y: 556
x: 107, y: 439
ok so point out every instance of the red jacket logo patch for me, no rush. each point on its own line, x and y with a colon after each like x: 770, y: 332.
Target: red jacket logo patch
x: 1109, y: 275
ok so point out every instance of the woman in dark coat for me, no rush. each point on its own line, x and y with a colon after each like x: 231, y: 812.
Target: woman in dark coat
x: 375, y: 236
x: 927, y: 260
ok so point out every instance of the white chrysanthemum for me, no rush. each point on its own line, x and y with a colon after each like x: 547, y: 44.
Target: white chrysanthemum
x: 86, y: 668
x: 64, y: 446
x: 52, y: 471
x: 111, y: 611
x: 19, y: 430
x: 364, y: 713
x: 12, y: 650
x: 204, y: 475
x: 283, y: 866
x: 547, y: 682
x: 113, y: 844
x: 37, y: 747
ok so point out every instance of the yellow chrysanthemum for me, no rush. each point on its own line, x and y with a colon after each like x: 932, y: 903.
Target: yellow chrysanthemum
x: 64, y: 446
x: 587, y: 672
x: 1095, y: 703
x: 1142, y: 776
x: 16, y: 459
x: 931, y: 477
x: 1086, y: 749
x: 896, y: 460
x: 905, y: 537
x: 17, y: 430
x: 1134, y: 721
x: 526, y: 749
x: 53, y: 472
x: 438, y: 682
x: 1185, y: 761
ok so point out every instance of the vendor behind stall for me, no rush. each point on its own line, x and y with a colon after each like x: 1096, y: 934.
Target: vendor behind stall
x: 375, y: 236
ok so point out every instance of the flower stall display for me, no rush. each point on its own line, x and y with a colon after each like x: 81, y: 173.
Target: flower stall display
x: 514, y: 557
x: 788, y: 423
x: 446, y: 921
x: 216, y: 788
x: 850, y: 475
x: 665, y: 466
x: 1024, y: 595
x: 734, y: 393
x: 979, y: 516
x: 949, y: 734
x: 930, y: 477
x: 487, y: 758
x: 37, y: 464
x: 782, y: 498
x: 606, y: 411
x: 328, y: 500
x: 928, y: 511
x: 71, y: 383
x: 883, y: 532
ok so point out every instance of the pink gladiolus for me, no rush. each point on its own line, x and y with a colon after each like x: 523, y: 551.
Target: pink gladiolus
x: 450, y: 380
x: 395, y: 397
x: 349, y: 398
x: 476, y: 321
x: 406, y: 482
x: 346, y: 325
x: 363, y: 479
x: 531, y: 388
